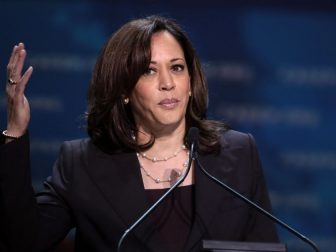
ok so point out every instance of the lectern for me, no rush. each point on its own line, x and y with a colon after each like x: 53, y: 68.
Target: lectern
x: 228, y: 246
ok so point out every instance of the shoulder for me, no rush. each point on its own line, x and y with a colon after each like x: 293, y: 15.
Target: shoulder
x: 79, y: 145
x: 75, y: 146
x: 76, y: 143
x: 80, y: 150
x: 82, y: 145
x: 73, y: 156
x: 241, y: 147
x: 237, y: 162
x: 231, y: 138
x: 73, y: 150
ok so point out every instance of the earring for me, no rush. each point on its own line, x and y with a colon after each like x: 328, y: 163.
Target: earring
x: 126, y: 100
x: 190, y: 93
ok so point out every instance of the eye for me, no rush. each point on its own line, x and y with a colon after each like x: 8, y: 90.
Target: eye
x: 149, y: 71
x: 178, y: 67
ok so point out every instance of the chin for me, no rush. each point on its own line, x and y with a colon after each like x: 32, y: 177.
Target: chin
x: 170, y: 118
x: 172, y: 122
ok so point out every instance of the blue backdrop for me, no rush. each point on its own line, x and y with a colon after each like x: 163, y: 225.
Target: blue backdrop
x: 271, y: 69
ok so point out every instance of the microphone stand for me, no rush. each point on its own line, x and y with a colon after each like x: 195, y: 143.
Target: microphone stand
x: 260, y: 209
x: 159, y: 201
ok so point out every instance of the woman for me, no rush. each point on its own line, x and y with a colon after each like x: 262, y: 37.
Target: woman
x: 147, y: 90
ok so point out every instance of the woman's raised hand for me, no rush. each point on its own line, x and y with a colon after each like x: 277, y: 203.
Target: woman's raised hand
x: 18, y: 112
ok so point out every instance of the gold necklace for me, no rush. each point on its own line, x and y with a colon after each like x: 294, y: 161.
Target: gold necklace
x: 157, y: 159
x: 158, y: 180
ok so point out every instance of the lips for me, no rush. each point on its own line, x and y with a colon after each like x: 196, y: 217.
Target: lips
x: 169, y: 103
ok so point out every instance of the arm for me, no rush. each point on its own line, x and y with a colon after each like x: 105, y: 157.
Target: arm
x: 16, y: 193
x: 30, y: 223
x: 25, y: 224
x: 18, y: 215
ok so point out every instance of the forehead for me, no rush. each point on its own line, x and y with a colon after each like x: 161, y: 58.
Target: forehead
x: 163, y: 43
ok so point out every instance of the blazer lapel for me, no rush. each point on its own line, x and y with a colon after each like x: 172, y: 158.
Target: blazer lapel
x: 119, y: 179
x: 209, y: 196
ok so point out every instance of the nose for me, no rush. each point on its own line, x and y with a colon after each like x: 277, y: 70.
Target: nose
x: 166, y: 81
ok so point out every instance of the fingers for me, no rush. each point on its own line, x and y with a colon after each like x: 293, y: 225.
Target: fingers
x: 19, y: 64
x: 16, y: 63
x: 12, y: 57
x: 16, y: 81
x: 24, y: 80
x: 13, y: 61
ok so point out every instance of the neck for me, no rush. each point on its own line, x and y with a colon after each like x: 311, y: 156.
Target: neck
x: 165, y: 142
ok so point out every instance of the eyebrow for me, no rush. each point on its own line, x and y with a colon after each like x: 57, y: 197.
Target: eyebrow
x: 172, y: 60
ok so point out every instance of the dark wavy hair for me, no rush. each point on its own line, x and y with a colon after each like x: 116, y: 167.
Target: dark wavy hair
x: 122, y: 61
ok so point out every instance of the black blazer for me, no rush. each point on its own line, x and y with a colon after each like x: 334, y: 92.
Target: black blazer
x: 101, y: 195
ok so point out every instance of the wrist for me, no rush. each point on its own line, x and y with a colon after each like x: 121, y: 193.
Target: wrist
x: 12, y: 136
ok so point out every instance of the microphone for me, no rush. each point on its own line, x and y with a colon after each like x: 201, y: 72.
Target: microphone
x: 255, y: 206
x: 192, y: 140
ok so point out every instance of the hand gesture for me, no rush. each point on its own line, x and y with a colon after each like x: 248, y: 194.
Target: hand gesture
x: 18, y: 112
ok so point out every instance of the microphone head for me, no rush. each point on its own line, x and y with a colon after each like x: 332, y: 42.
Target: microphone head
x: 193, y: 137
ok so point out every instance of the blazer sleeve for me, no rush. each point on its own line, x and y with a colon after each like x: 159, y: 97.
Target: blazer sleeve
x: 30, y: 222
x: 260, y: 228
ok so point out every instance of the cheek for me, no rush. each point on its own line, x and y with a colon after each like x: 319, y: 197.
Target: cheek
x: 186, y: 88
x: 142, y: 90
x: 187, y: 84
x: 140, y: 100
